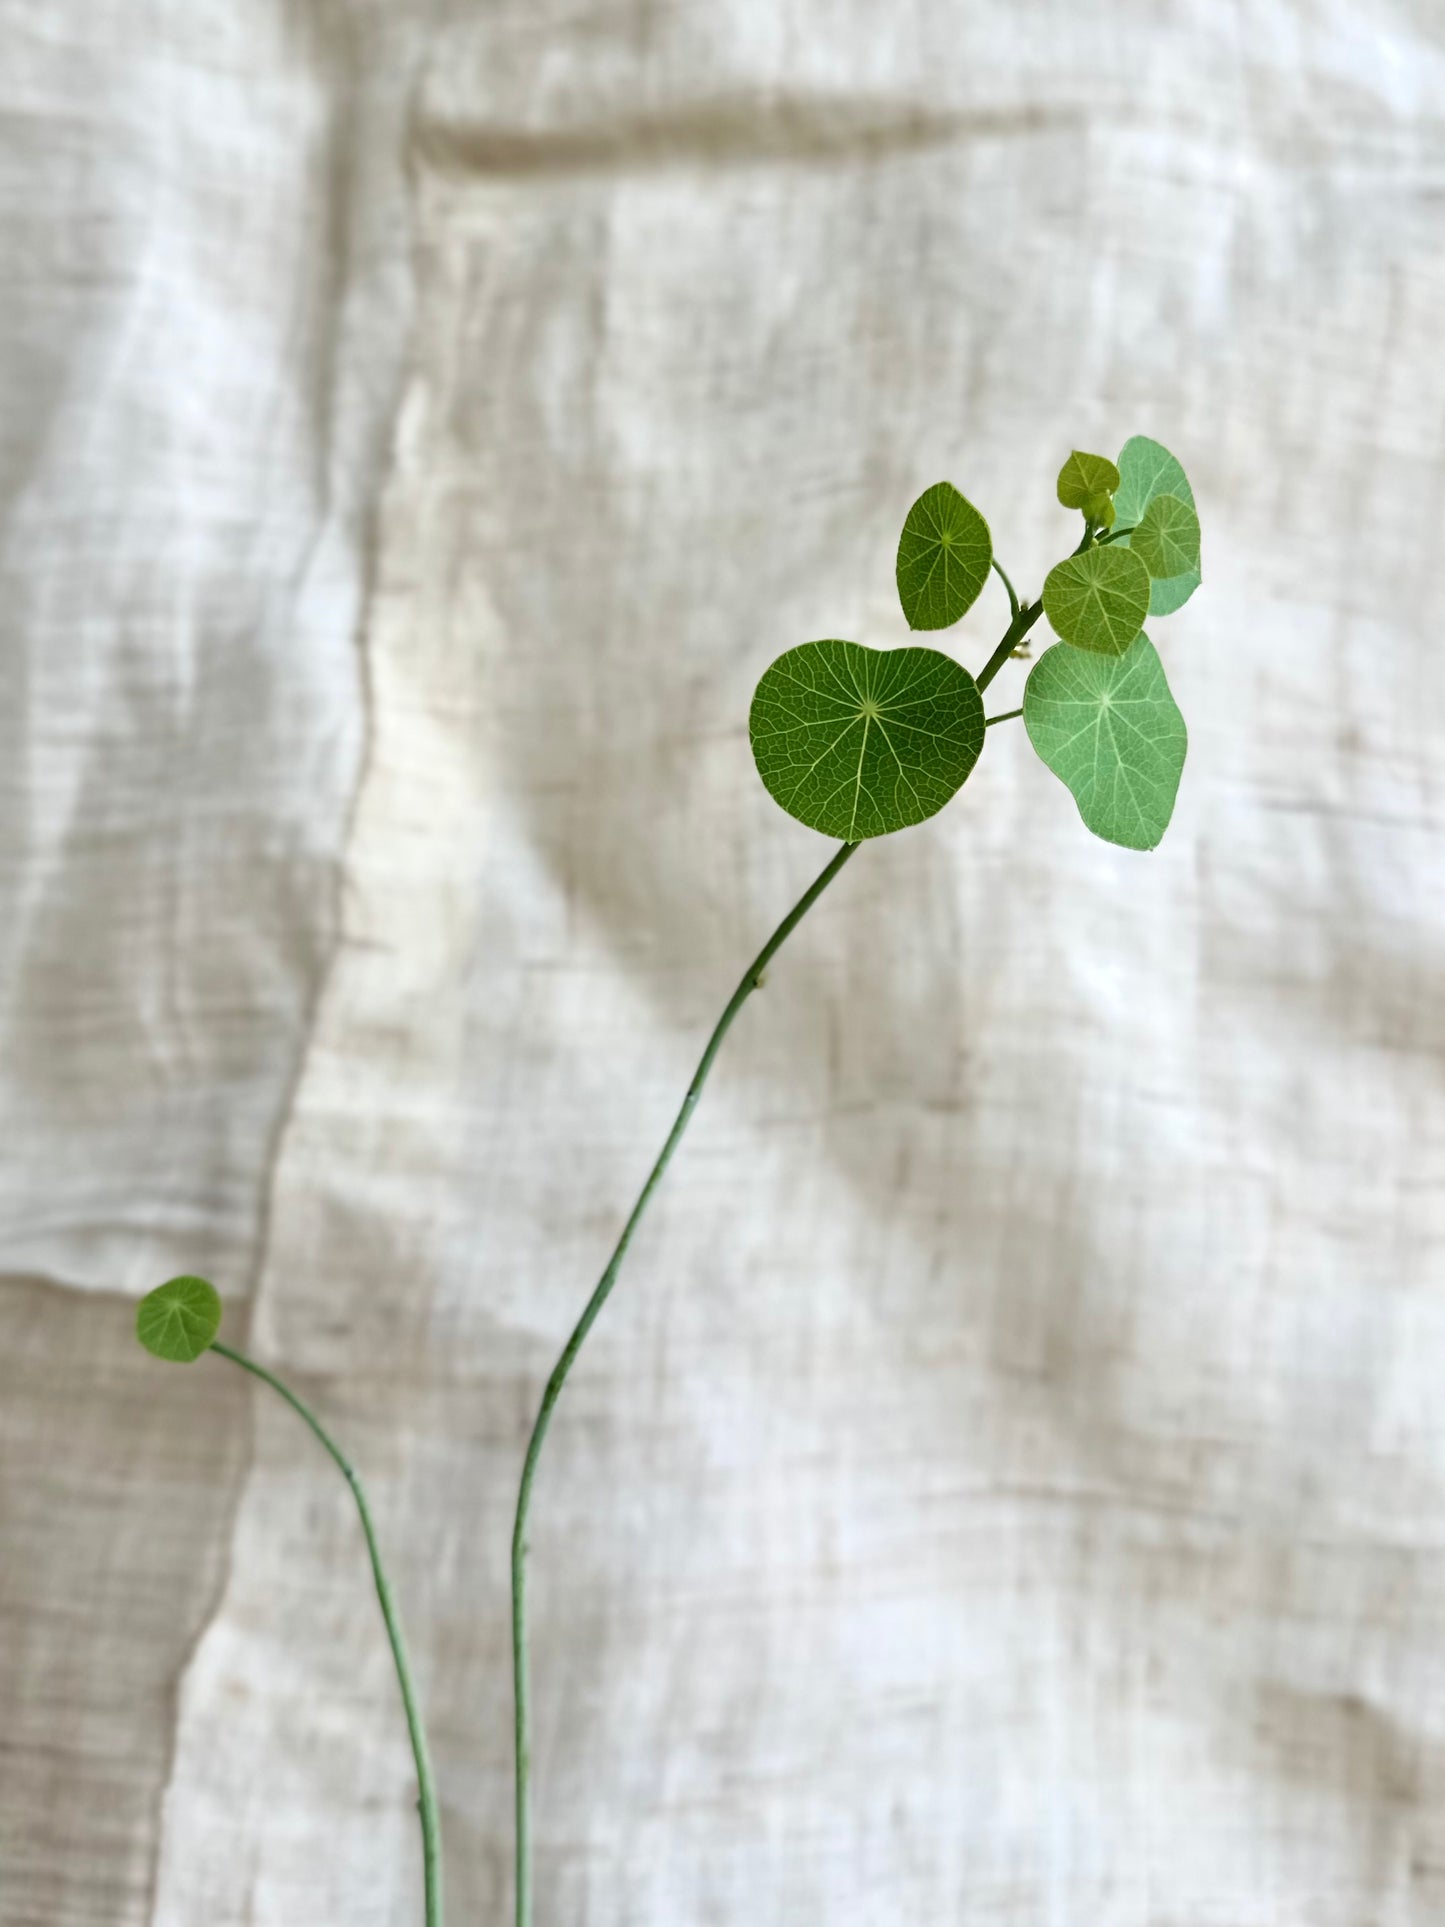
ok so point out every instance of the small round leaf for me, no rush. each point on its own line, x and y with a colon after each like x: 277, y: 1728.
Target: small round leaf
x: 178, y: 1320
x: 1109, y: 729
x: 1084, y: 475
x: 944, y: 556
x: 1098, y: 599
x: 1166, y: 538
x: 1147, y: 469
x: 858, y: 742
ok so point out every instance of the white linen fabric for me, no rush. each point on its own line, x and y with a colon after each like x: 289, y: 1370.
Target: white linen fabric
x: 1008, y: 1486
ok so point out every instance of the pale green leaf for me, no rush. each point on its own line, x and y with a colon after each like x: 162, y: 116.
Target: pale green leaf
x: 1166, y: 537
x: 1098, y: 600
x: 1172, y: 593
x: 1147, y: 470
x: 1109, y: 729
x: 1084, y: 475
x: 944, y: 556
x: 1099, y: 509
x: 178, y: 1320
x: 856, y: 742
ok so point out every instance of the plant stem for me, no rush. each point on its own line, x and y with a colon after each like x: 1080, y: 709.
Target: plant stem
x: 751, y: 979
x: 1006, y: 717
x: 1013, y: 600
x: 426, y: 1788
x: 1025, y: 619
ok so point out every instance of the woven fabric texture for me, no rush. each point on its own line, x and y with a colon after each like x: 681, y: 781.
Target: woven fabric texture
x: 1008, y: 1487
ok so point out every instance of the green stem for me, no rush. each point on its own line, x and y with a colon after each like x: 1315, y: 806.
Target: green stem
x: 426, y: 1788
x: 1006, y: 717
x: 1024, y: 617
x: 752, y: 978
x: 1027, y: 616
x: 1013, y: 600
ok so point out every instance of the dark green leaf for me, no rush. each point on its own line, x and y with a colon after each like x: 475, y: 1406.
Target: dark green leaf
x: 1109, y: 729
x: 178, y: 1320
x: 1098, y: 600
x: 856, y: 742
x: 1147, y: 470
x: 1084, y: 475
x: 944, y: 556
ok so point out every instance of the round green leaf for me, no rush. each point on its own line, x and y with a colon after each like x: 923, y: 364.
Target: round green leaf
x: 857, y: 742
x: 944, y: 556
x: 178, y: 1320
x: 1084, y: 475
x: 1098, y: 600
x: 1146, y: 470
x: 1109, y: 729
x: 1167, y: 537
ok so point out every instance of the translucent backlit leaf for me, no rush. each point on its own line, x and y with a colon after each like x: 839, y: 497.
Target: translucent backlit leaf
x: 944, y: 556
x: 178, y: 1320
x: 857, y: 742
x: 1109, y: 729
x: 1085, y: 475
x: 1146, y: 470
x: 1098, y: 600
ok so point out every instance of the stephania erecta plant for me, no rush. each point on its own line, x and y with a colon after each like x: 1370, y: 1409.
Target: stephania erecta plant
x: 856, y: 743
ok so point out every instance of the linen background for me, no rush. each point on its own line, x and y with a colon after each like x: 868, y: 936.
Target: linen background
x: 1008, y: 1484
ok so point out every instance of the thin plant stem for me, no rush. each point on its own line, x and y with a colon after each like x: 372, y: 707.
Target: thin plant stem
x: 1006, y: 717
x: 1027, y: 616
x: 426, y: 1786
x: 751, y: 980
x: 1013, y: 600
x: 1024, y: 618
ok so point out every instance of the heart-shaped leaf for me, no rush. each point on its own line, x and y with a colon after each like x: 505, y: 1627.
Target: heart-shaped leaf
x: 857, y: 742
x: 1109, y: 729
x: 1166, y: 538
x: 178, y: 1320
x: 944, y: 556
x: 1084, y: 475
x: 1146, y: 470
x: 1098, y: 599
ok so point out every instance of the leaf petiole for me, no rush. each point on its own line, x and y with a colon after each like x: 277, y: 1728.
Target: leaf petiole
x: 426, y: 1786
x: 1013, y: 600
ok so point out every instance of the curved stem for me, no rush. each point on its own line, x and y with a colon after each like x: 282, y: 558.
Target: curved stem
x: 426, y: 1787
x: 1013, y: 601
x: 751, y: 979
